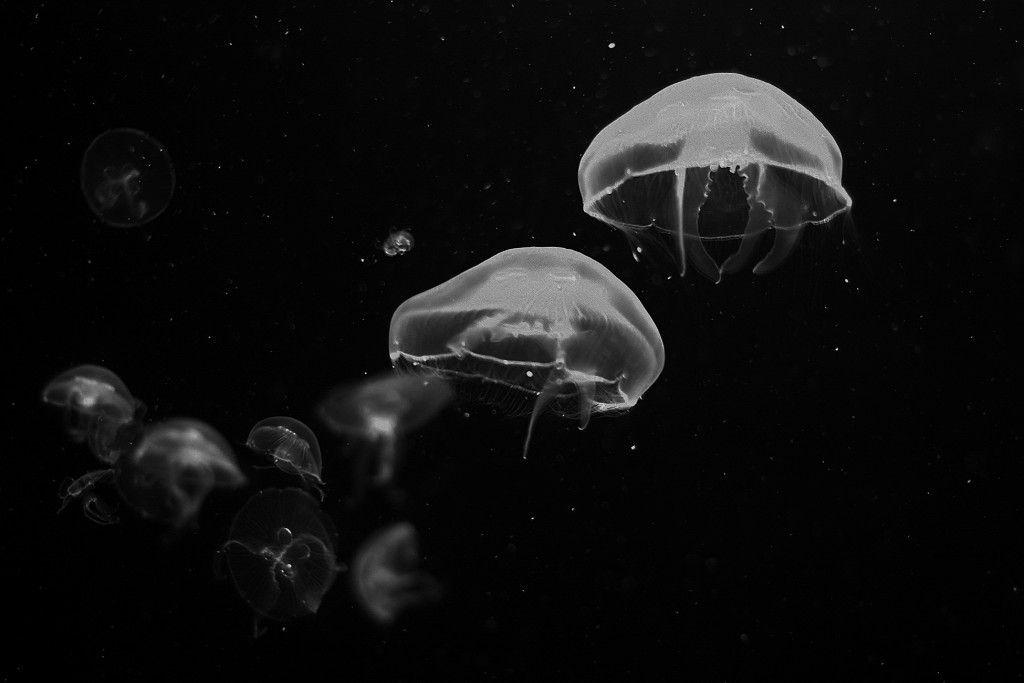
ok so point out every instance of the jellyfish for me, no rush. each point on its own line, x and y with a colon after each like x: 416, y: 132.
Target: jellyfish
x: 127, y: 178
x: 398, y: 242
x: 539, y: 324
x: 96, y: 509
x: 385, y: 578
x: 98, y: 409
x: 175, y: 464
x: 292, y: 446
x: 382, y: 410
x: 713, y: 160
x: 281, y: 554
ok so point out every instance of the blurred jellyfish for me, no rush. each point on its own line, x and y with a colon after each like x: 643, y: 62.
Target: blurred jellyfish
x: 385, y: 578
x: 292, y: 446
x: 127, y: 178
x: 281, y: 554
x: 530, y: 328
x: 381, y: 411
x: 98, y: 409
x: 398, y: 242
x: 173, y: 467
x: 716, y: 160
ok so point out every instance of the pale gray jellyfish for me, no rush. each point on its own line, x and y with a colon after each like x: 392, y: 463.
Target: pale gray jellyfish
x: 537, y: 325
x: 281, y: 554
x: 382, y: 410
x: 175, y: 464
x: 719, y: 157
x: 385, y: 575
x: 398, y: 242
x: 98, y: 409
x: 127, y: 178
x: 292, y: 446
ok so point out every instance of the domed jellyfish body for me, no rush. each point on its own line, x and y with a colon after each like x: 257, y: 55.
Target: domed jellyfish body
x: 291, y: 446
x: 386, y: 578
x: 281, y: 554
x: 548, y: 324
x: 98, y: 409
x: 169, y: 472
x: 712, y: 159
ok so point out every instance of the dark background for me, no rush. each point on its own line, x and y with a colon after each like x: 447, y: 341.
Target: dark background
x: 824, y: 484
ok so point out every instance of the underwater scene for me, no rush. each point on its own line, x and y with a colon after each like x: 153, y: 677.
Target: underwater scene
x: 486, y: 341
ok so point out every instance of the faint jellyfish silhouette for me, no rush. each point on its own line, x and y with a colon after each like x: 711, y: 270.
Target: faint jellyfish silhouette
x: 127, y: 178
x: 98, y: 409
x: 385, y: 578
x: 173, y: 467
x: 292, y: 446
x: 281, y: 554
x: 539, y: 325
x: 380, y: 412
x: 398, y: 242
x: 712, y: 160
x: 95, y: 508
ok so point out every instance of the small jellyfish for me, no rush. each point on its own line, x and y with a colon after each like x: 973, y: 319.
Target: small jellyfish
x: 95, y: 508
x: 292, y: 446
x: 281, y: 554
x: 718, y: 161
x: 98, y: 409
x: 381, y: 411
x: 385, y: 578
x: 398, y: 242
x: 173, y: 467
x: 534, y: 327
x: 127, y: 178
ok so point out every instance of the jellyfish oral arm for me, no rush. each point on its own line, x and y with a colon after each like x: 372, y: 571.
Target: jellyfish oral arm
x: 387, y: 442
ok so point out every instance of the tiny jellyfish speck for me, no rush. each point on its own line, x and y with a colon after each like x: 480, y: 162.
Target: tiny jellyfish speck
x: 98, y: 409
x: 292, y: 446
x: 398, y: 242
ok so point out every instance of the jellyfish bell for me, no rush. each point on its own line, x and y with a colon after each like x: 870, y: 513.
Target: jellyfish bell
x: 386, y: 579
x: 397, y: 243
x: 546, y: 324
x: 170, y: 471
x: 714, y: 159
x: 127, y: 178
x: 291, y: 446
x: 98, y: 409
x: 383, y: 409
x: 281, y: 554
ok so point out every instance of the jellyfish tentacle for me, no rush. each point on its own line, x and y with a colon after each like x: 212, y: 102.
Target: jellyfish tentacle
x: 551, y: 389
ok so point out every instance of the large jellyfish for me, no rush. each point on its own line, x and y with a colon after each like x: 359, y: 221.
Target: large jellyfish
x: 542, y: 323
x: 713, y: 159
